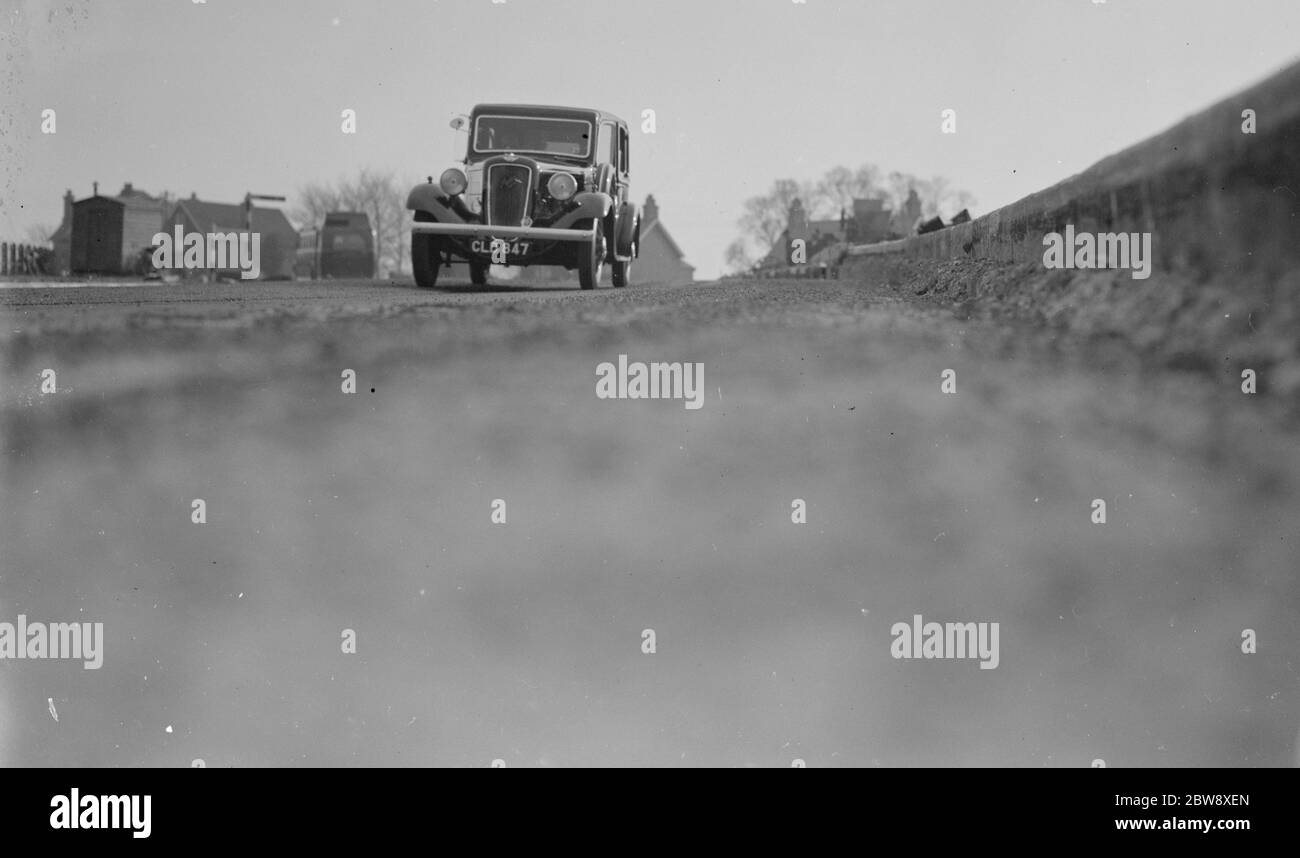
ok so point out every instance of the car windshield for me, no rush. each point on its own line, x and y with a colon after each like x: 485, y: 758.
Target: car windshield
x: 345, y: 241
x: 568, y: 137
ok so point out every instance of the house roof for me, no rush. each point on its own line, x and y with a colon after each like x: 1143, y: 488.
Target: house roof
x: 816, y: 244
x: 230, y: 216
x: 655, y: 224
x: 133, y: 201
x: 826, y: 226
x: 130, y: 192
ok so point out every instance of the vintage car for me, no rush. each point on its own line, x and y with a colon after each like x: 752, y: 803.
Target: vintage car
x: 539, y: 186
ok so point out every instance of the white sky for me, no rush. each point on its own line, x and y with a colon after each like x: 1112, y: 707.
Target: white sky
x: 229, y: 96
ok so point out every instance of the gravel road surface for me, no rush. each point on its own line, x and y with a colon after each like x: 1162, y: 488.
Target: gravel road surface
x: 523, y: 641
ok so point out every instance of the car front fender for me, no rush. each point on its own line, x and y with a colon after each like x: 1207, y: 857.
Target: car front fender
x: 590, y: 205
x: 430, y: 198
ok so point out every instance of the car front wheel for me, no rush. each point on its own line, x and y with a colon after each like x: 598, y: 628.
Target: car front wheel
x: 426, y: 255
x: 591, y: 259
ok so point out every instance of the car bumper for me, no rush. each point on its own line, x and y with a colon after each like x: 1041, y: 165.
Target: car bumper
x: 480, y: 230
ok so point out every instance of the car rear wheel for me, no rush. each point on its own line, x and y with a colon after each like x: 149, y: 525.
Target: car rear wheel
x: 426, y: 255
x: 591, y: 258
x: 621, y: 272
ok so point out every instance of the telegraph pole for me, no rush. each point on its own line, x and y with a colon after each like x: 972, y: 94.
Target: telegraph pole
x: 248, y: 206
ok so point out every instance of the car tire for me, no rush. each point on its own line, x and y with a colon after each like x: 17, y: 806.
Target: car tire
x: 478, y: 274
x: 591, y: 258
x: 621, y: 272
x: 426, y: 254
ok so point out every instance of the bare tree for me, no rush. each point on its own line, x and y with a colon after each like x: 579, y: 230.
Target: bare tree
x: 737, y: 257
x: 837, y: 190
x: 958, y: 200
x: 39, y: 233
x: 937, y: 195
x: 313, y: 202
x: 764, y: 217
x: 898, y: 187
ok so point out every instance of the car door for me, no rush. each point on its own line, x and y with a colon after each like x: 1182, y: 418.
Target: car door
x: 607, y: 153
x: 623, y: 172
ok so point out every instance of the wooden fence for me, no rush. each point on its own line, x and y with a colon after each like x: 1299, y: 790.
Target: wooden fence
x: 16, y: 258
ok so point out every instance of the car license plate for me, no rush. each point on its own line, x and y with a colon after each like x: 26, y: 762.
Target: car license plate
x: 514, y: 248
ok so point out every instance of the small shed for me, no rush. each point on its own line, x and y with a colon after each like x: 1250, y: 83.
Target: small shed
x: 109, y: 233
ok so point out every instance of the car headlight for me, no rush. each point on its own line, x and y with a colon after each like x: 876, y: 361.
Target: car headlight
x: 562, y: 186
x: 453, y: 182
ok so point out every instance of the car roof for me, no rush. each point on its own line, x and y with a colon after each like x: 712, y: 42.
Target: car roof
x: 547, y: 110
x: 348, y: 219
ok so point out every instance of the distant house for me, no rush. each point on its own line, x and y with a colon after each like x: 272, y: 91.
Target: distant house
x: 815, y: 236
x: 659, y: 259
x: 821, y: 232
x: 278, y: 243
x: 869, y: 222
x: 108, y: 233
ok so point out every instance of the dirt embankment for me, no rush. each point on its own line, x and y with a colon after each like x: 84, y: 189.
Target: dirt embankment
x: 1219, y: 196
x: 1169, y: 322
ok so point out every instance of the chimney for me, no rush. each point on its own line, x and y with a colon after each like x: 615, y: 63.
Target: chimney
x: 797, y: 220
x: 193, y: 195
x: 95, y: 187
x: 126, y: 190
x: 67, y: 206
x: 650, y: 211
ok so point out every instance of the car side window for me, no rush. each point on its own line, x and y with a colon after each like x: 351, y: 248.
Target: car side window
x: 605, y: 144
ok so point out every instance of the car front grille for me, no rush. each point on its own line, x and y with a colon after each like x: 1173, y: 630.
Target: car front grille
x: 509, y: 190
